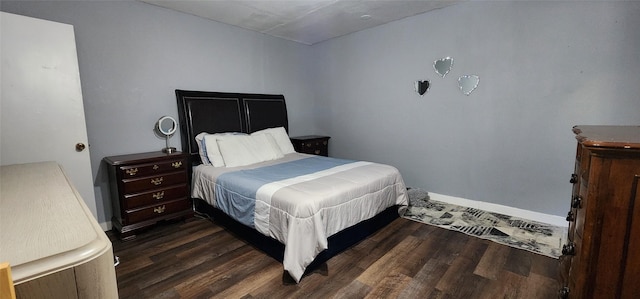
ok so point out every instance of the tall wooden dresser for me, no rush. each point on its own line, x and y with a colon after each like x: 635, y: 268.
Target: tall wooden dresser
x: 601, y: 258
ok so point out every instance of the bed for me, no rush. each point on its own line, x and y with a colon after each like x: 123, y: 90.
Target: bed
x: 300, y: 209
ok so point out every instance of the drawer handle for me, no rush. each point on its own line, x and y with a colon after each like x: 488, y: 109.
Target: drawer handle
x: 176, y: 164
x: 324, y: 142
x: 570, y: 217
x: 159, y: 209
x: 158, y: 195
x: 576, y: 202
x: 569, y: 249
x: 132, y: 171
x: 564, y: 293
x: 155, y: 167
x: 156, y: 181
x: 574, y: 178
x: 308, y: 144
x: 317, y: 152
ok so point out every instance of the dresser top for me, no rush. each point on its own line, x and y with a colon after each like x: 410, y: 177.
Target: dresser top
x: 141, y: 157
x: 309, y: 137
x: 46, y: 226
x: 627, y: 137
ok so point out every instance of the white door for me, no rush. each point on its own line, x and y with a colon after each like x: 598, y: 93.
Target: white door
x: 42, y: 117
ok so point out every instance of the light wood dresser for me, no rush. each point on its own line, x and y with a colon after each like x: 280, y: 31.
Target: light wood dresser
x: 54, y: 245
x: 601, y: 258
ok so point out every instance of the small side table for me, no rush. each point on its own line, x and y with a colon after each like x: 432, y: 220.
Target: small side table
x: 311, y: 144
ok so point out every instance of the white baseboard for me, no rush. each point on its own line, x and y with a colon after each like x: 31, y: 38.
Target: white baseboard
x: 506, y: 210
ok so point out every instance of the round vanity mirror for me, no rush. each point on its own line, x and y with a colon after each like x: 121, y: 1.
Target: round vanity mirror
x: 166, y: 126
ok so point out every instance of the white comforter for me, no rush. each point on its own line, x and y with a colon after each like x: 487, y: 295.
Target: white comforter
x: 303, y: 211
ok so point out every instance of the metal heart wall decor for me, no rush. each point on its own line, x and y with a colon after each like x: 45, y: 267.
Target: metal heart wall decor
x: 468, y: 83
x: 421, y: 87
x: 443, y: 66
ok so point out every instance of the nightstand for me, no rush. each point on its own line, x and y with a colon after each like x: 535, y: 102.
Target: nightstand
x: 147, y: 188
x: 311, y: 144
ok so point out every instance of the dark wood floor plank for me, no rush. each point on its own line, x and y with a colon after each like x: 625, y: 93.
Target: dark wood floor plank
x: 390, y: 286
x: 171, y: 266
x: 519, y: 262
x: 376, y: 272
x: 544, y: 266
x: 423, y: 283
x: 492, y: 262
x: 406, y: 259
x: 538, y: 286
x: 262, y: 275
x: 453, y: 243
x: 355, y: 289
x: 420, y: 255
x: 508, y: 286
x: 458, y: 275
x: 226, y: 275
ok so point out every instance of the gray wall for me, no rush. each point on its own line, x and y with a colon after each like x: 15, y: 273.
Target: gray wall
x: 133, y: 56
x: 544, y: 67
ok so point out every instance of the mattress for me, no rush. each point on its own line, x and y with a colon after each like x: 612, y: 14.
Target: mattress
x: 301, y: 200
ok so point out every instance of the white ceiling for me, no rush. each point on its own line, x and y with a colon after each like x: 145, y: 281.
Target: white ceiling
x: 303, y: 21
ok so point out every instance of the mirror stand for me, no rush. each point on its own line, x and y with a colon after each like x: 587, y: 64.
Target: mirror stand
x: 168, y: 149
x: 166, y: 126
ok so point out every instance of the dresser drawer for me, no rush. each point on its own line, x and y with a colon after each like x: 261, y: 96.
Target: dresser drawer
x: 578, y: 271
x: 582, y: 210
x: 154, y: 211
x: 150, y: 169
x: 154, y: 182
x: 155, y: 196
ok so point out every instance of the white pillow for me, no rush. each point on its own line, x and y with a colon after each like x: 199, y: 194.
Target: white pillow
x: 212, y: 151
x: 239, y: 150
x: 281, y: 138
x: 267, y: 147
x: 202, y: 150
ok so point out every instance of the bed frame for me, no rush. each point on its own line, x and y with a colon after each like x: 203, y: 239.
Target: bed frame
x: 218, y: 112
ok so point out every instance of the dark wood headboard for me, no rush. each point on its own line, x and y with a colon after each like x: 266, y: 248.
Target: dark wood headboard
x: 219, y: 112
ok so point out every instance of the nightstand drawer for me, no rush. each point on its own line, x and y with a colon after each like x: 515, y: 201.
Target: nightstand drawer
x: 155, y: 196
x: 150, y: 169
x: 312, y: 144
x: 154, y: 182
x: 158, y: 210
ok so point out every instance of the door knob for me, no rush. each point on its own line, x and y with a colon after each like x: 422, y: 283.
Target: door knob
x: 80, y: 147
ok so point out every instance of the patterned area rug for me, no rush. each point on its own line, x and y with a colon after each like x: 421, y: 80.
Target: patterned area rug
x: 529, y: 235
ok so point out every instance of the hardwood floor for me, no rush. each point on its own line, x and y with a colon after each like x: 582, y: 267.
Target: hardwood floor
x: 406, y: 259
